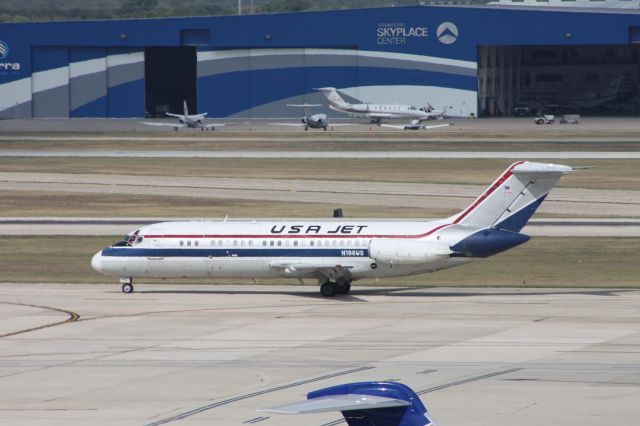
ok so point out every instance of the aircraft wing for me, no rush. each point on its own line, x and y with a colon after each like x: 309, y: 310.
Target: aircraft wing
x: 435, y: 126
x: 349, y: 402
x: 151, y: 123
x: 214, y: 125
x: 294, y: 268
x: 174, y: 115
x: 414, y: 126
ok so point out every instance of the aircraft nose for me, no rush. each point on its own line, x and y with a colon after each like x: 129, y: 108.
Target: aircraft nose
x: 96, y: 262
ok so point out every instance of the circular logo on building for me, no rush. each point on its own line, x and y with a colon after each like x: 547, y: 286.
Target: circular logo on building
x: 447, y: 33
x: 4, y: 49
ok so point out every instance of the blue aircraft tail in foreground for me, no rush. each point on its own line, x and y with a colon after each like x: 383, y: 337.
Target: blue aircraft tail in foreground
x: 365, y: 404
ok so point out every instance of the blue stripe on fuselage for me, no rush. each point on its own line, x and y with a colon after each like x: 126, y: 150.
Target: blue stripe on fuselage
x: 234, y: 252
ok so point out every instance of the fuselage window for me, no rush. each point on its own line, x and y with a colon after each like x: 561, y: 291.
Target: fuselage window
x: 295, y: 243
x: 196, y: 243
x: 235, y: 243
x: 311, y: 243
x: 181, y: 243
x: 271, y: 243
x: 279, y: 242
x: 189, y: 243
x: 242, y: 243
x: 287, y: 243
x: 335, y: 243
x: 250, y: 243
x: 341, y: 243
x: 264, y: 243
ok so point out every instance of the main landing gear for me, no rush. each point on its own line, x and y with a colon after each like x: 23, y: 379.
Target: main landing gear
x: 330, y: 288
x: 127, y: 285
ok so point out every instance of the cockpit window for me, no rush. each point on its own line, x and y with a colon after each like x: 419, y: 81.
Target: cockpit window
x: 129, y: 240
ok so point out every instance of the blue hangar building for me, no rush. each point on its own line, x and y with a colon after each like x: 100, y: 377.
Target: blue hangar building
x: 482, y: 61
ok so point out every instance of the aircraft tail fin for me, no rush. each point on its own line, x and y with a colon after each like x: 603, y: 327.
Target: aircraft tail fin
x: 511, y: 200
x: 365, y: 403
x: 334, y: 98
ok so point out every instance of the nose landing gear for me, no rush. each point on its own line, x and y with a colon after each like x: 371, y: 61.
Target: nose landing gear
x: 127, y: 285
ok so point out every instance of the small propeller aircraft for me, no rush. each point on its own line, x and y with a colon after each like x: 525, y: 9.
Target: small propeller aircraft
x: 194, y: 121
x: 313, y: 121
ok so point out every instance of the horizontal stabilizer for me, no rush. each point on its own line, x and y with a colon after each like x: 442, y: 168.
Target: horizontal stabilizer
x: 304, y: 105
x: 337, y: 403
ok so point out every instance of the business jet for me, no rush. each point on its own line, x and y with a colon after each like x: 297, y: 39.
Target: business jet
x: 313, y: 121
x: 364, y: 403
x: 194, y: 121
x: 335, y: 253
x: 377, y: 112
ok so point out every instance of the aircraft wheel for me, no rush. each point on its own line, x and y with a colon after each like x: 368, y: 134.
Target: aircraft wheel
x: 325, y: 129
x: 306, y: 128
x: 345, y: 288
x: 127, y: 288
x: 328, y: 289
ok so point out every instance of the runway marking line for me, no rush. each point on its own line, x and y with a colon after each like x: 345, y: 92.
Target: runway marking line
x: 73, y: 317
x: 253, y: 394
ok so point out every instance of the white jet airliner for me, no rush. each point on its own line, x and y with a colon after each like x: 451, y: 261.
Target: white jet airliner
x: 335, y: 252
x: 377, y: 112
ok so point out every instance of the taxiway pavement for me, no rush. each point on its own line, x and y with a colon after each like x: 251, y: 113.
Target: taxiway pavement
x: 592, y: 202
x: 178, y: 354
x: 361, y: 155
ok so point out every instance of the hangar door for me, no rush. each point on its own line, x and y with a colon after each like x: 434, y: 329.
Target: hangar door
x: 588, y: 80
x: 170, y: 79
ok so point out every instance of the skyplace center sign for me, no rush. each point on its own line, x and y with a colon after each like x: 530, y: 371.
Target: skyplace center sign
x: 398, y: 32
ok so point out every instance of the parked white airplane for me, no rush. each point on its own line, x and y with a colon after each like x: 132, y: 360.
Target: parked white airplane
x: 194, y: 121
x: 377, y: 112
x: 335, y: 252
x: 314, y: 121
